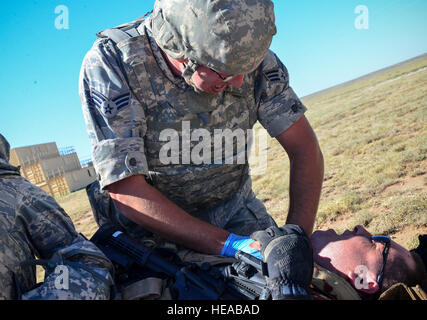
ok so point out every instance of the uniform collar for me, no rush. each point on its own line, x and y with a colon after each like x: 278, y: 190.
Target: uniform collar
x: 332, y: 285
x: 7, y: 169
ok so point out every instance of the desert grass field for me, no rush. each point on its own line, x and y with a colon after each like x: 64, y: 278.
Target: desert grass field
x: 373, y: 136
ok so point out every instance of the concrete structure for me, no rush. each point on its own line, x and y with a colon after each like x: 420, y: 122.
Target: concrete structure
x: 57, y: 173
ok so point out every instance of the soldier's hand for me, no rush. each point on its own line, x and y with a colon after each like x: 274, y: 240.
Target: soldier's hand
x: 289, y: 257
x: 236, y: 243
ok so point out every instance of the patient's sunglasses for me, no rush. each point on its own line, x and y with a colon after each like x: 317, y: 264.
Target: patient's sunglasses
x: 386, y: 241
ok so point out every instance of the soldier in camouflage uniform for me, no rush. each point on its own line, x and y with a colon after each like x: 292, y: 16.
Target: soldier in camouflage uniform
x: 193, y: 65
x: 33, y: 224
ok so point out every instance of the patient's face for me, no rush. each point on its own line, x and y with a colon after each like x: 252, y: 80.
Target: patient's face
x: 344, y: 253
x: 340, y: 252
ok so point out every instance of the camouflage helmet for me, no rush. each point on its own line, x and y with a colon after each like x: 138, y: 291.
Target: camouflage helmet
x: 229, y: 36
x: 4, y: 148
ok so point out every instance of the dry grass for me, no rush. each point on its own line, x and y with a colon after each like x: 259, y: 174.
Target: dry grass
x: 373, y: 137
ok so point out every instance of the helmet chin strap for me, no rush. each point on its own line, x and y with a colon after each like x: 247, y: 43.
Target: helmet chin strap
x: 187, y: 73
x: 189, y: 68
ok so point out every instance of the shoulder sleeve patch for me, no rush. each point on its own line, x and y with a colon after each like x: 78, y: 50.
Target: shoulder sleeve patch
x: 275, y: 75
x: 109, y: 107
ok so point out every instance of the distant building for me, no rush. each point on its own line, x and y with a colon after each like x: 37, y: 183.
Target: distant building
x: 57, y: 173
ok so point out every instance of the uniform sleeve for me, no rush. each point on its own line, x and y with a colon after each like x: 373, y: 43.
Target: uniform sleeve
x: 279, y: 106
x: 77, y: 272
x: 75, y: 267
x: 47, y: 226
x: 114, y: 118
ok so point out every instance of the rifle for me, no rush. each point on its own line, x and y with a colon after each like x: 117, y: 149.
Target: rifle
x: 242, y: 280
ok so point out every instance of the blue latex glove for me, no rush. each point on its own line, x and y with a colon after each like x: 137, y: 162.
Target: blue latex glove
x: 235, y: 243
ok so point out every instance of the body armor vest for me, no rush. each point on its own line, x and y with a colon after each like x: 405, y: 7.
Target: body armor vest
x: 178, y: 109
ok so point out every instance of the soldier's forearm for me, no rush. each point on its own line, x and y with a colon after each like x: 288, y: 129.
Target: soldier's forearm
x: 146, y: 206
x: 306, y: 178
x: 306, y: 173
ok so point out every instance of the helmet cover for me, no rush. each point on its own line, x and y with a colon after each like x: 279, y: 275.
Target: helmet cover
x: 229, y: 36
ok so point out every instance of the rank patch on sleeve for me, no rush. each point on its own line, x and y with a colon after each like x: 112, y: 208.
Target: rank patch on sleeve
x: 275, y: 75
x: 109, y: 107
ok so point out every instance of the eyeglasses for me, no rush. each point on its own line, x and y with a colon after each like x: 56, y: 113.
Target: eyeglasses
x: 386, y: 241
x: 226, y: 79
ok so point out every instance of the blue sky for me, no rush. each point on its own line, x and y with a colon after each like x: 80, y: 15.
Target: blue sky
x: 316, y: 40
